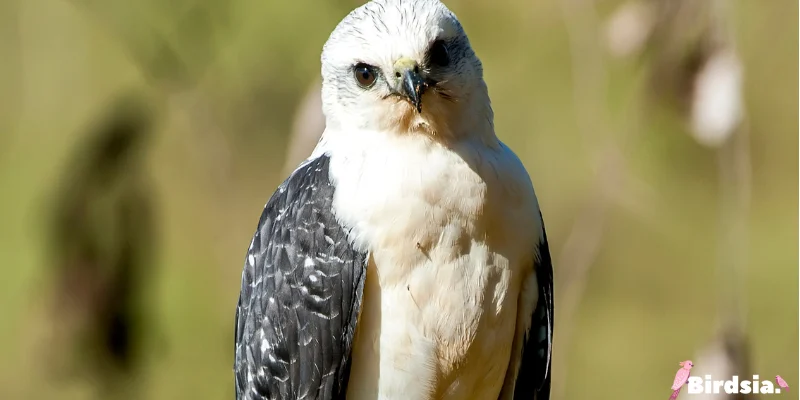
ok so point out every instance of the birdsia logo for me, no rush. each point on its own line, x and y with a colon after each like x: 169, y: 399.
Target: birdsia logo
x: 697, y: 385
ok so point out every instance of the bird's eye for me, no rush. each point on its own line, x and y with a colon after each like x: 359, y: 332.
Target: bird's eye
x: 365, y: 75
x: 438, y: 55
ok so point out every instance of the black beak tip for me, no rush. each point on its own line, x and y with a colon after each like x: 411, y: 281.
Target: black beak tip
x: 413, y: 87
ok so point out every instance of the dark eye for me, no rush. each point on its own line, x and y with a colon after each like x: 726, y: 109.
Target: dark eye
x: 438, y: 55
x: 365, y: 75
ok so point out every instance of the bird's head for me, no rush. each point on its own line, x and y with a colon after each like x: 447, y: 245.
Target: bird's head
x: 686, y: 364
x: 403, y: 66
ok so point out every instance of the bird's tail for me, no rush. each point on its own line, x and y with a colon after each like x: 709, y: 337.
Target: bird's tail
x: 675, y: 394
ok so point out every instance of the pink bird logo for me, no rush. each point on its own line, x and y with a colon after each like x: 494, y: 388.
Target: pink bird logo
x: 681, y: 377
x: 781, y: 382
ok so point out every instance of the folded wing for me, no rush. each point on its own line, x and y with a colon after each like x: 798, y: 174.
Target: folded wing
x: 300, y: 297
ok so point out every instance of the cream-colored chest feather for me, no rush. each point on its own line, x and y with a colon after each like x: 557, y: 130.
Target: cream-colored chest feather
x: 451, y: 233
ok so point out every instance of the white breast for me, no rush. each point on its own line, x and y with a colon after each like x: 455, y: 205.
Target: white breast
x: 451, y: 233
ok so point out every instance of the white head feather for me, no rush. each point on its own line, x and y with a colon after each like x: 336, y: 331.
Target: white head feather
x: 379, y: 34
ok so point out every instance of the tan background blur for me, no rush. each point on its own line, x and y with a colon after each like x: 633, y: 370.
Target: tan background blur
x: 225, y: 95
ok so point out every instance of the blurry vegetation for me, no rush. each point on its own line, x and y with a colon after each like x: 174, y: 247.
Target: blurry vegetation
x: 226, y: 78
x: 100, y: 248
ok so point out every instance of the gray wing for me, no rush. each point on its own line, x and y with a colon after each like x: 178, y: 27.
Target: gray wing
x: 300, y: 297
x: 533, y: 380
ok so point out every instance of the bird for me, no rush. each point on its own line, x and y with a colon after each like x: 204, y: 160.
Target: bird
x: 782, y: 383
x: 682, y: 376
x: 407, y: 257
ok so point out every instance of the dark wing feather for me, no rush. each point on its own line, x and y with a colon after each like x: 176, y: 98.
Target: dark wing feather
x: 533, y: 380
x: 300, y: 297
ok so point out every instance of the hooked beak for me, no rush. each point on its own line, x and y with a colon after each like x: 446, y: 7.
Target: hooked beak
x: 412, y: 85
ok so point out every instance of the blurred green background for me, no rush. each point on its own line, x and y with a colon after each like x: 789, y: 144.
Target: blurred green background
x: 224, y: 79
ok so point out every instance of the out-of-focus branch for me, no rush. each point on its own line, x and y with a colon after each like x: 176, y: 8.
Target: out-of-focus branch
x: 718, y: 100
x: 728, y: 352
x: 576, y: 258
x: 735, y: 190
x: 583, y: 243
x: 719, y: 120
x: 723, y: 101
x: 307, y: 127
